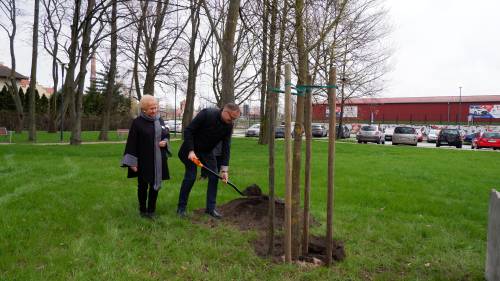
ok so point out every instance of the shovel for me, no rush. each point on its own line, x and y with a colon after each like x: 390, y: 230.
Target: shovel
x: 199, y: 164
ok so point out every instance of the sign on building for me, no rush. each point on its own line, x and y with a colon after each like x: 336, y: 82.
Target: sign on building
x: 484, y: 110
x: 350, y: 111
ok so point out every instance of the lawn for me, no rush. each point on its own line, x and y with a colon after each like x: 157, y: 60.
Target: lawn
x: 404, y: 213
x: 44, y: 137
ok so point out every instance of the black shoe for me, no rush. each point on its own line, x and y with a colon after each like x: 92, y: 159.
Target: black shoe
x: 181, y: 213
x: 214, y: 214
x: 144, y: 214
x: 152, y: 215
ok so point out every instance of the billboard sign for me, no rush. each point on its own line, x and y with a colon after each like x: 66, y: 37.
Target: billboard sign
x: 484, y: 110
x: 350, y: 111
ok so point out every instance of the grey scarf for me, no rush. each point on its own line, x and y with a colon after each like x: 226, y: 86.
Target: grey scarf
x: 158, y: 168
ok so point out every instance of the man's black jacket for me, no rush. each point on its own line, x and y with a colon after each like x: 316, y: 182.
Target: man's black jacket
x: 204, y: 132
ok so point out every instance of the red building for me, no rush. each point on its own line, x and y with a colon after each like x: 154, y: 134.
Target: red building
x: 441, y: 109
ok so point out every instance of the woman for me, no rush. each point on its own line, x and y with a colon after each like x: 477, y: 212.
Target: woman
x: 146, y: 154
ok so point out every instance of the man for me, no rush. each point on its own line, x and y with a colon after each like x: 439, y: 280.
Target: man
x: 207, y: 129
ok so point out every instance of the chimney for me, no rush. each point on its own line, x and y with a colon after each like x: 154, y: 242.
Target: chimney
x: 93, y: 72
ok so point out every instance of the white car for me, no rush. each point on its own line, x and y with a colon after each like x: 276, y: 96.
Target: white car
x: 433, y: 135
x: 253, y: 131
x: 388, y: 133
x: 405, y: 135
x: 174, y: 126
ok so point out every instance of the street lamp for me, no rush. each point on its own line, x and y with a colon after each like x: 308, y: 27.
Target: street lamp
x: 62, y: 102
x: 460, y: 107
x: 175, y: 109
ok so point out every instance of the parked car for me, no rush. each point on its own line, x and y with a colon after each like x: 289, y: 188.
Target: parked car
x: 487, y: 140
x: 405, y: 135
x: 253, y: 131
x: 420, y: 136
x: 432, y: 136
x: 319, y: 130
x: 370, y: 133
x: 388, y: 133
x: 449, y: 137
x: 279, y: 132
x: 174, y: 126
x: 469, y: 137
x: 345, y: 133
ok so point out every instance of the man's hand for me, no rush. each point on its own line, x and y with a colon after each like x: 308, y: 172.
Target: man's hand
x: 134, y: 168
x: 162, y: 143
x: 224, y: 176
x: 192, y: 156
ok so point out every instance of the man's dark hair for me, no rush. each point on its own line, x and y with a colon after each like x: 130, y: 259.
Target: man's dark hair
x: 232, y: 107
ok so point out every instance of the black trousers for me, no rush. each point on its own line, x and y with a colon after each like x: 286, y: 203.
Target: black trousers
x: 143, y: 196
x: 208, y: 159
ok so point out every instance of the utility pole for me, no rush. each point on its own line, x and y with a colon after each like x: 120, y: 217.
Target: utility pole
x: 175, y: 109
x: 62, y: 102
x: 460, y: 107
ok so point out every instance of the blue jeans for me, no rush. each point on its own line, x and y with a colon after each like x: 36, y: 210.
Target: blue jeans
x: 208, y: 159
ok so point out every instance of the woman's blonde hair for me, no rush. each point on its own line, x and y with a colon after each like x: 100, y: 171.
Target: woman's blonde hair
x: 147, y: 100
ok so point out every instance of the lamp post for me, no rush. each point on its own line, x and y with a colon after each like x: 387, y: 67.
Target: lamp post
x: 62, y: 102
x: 459, y: 107
x: 175, y: 109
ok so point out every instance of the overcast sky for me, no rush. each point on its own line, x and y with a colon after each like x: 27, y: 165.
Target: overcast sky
x: 438, y: 45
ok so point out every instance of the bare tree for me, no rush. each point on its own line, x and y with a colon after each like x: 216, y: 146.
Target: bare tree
x: 34, y: 59
x: 52, y: 24
x: 110, y: 85
x: 226, y: 44
x: 194, y: 62
x: 9, y: 11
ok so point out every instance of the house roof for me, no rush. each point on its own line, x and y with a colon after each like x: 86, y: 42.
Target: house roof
x: 5, y: 72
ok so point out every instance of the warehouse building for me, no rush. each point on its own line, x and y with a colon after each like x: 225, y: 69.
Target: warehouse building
x: 483, y: 109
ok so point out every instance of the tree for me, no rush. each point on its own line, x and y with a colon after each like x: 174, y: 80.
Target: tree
x: 226, y: 47
x: 34, y: 58
x: 194, y: 62
x: 55, y: 12
x: 103, y: 134
x: 10, y: 11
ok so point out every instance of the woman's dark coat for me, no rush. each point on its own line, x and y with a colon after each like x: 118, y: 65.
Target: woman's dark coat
x: 140, y: 145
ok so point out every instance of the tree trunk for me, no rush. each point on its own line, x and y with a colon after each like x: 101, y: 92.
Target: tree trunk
x: 272, y: 43
x: 76, y: 129
x: 14, y: 90
x: 271, y: 213
x: 110, y: 87
x: 227, y: 52
x: 299, y: 120
x: 263, y: 75
x: 34, y: 58
x: 307, y: 169
x: 192, y: 67
x: 149, y: 82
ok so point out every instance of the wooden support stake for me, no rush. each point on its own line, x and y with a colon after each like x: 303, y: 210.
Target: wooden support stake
x: 332, y: 80
x: 288, y: 166
x: 272, y: 120
x: 307, y: 167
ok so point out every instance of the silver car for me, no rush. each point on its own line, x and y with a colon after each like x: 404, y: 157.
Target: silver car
x: 433, y: 135
x: 370, y: 133
x: 405, y: 135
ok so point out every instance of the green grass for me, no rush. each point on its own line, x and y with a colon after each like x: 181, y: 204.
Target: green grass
x: 69, y: 213
x: 44, y: 137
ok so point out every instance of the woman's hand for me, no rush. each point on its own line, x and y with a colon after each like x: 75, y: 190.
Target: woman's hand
x: 163, y: 143
x: 134, y: 168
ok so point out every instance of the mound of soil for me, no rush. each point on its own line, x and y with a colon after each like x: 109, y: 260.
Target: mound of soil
x: 251, y: 213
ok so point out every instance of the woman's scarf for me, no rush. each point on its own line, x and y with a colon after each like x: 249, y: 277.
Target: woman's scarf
x: 157, y: 152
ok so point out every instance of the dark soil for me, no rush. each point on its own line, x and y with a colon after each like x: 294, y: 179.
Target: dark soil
x: 251, y: 213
